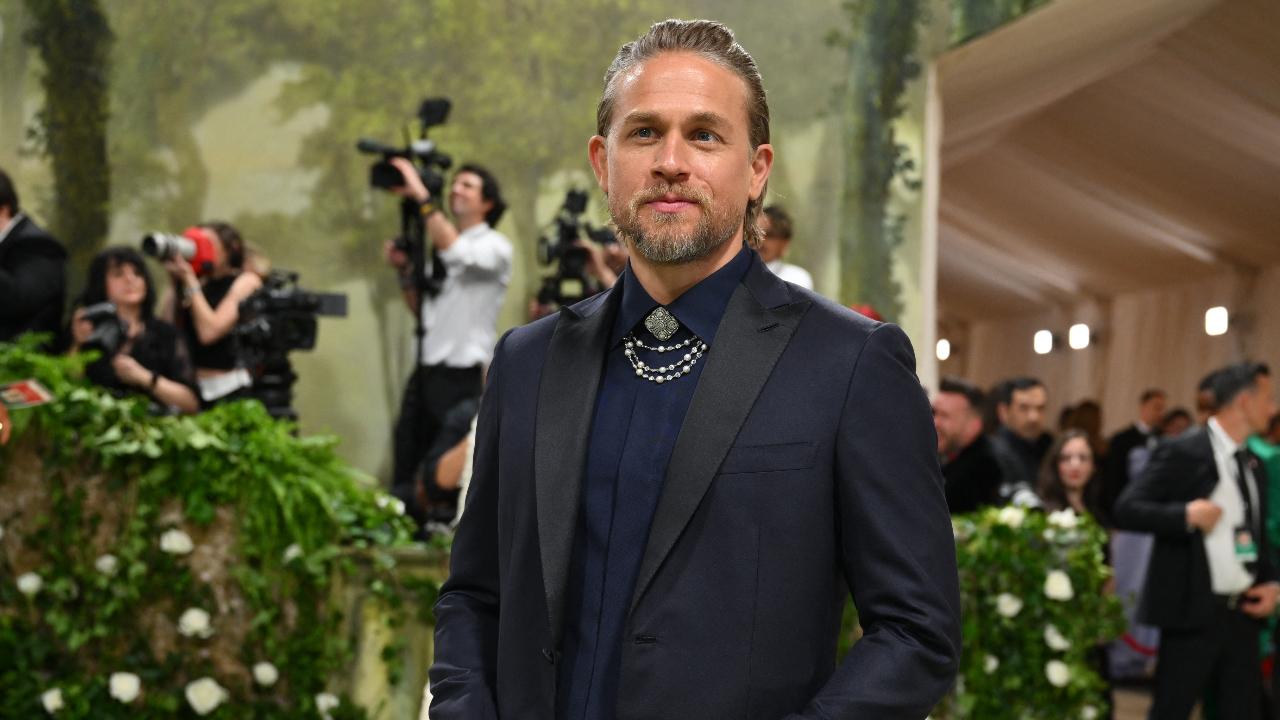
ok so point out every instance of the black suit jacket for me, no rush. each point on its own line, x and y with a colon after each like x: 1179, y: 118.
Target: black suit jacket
x: 805, y: 467
x: 1178, y: 592
x: 1115, y: 470
x: 32, y: 281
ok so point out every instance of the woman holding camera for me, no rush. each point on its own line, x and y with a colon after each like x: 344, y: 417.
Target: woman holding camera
x: 152, y: 359
x: 208, y: 308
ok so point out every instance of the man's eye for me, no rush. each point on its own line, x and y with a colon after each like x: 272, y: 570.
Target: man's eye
x: 704, y: 136
x: 643, y: 132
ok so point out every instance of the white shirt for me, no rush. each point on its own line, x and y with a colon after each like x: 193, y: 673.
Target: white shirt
x: 791, y: 273
x: 8, y: 228
x: 1228, y: 575
x: 461, y: 322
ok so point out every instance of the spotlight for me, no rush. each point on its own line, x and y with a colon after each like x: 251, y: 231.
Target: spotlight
x: 1043, y: 343
x: 1216, y: 321
x: 944, y: 349
x: 1078, y: 336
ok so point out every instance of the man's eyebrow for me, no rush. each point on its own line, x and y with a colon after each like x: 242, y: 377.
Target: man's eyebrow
x: 645, y: 117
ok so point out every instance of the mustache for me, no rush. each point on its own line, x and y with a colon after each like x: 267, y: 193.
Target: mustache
x: 682, y: 192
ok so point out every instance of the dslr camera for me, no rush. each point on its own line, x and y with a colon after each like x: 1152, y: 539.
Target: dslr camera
x: 570, y: 282
x: 195, y: 245
x: 109, y: 331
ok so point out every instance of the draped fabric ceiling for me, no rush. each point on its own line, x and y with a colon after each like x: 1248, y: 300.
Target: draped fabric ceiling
x: 1095, y: 152
x: 1098, y: 146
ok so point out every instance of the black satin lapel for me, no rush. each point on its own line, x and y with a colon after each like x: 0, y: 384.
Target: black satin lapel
x: 566, y: 403
x: 746, y: 347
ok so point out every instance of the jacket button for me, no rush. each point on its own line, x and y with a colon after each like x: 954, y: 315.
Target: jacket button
x: 550, y: 656
x: 646, y: 639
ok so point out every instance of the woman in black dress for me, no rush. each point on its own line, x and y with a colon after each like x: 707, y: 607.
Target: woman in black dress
x: 153, y: 359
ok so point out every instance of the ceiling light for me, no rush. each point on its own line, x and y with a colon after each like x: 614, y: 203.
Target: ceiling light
x: 1078, y: 336
x: 1216, y: 321
x: 944, y: 349
x: 1043, y: 343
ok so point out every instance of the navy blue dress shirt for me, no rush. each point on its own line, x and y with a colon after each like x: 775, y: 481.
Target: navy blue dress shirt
x: 633, y: 432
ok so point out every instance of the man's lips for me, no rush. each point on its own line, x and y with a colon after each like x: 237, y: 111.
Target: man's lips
x: 670, y: 205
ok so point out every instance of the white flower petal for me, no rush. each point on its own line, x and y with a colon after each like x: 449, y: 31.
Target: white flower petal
x: 125, y: 686
x: 51, y: 700
x: 176, y: 542
x: 1058, y: 673
x: 29, y: 584
x: 1055, y: 639
x: 1057, y: 586
x: 205, y: 695
x: 107, y: 564
x: 990, y: 664
x: 195, y: 623
x: 265, y: 674
x: 1008, y: 605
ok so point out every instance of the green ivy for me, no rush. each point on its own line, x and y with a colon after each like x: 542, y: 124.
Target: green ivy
x: 1014, y: 665
x: 275, y: 519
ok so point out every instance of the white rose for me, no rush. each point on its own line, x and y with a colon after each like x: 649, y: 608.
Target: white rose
x: 125, y: 686
x: 1057, y: 586
x: 205, y: 695
x: 1012, y: 516
x: 391, y: 501
x: 291, y: 553
x: 195, y: 623
x: 1054, y: 639
x: 176, y: 542
x: 1008, y: 605
x: 52, y: 700
x: 1088, y: 712
x: 106, y: 564
x: 29, y: 584
x: 326, y: 702
x: 1065, y: 519
x: 398, y: 505
x: 265, y: 674
x: 1058, y: 673
x: 990, y: 664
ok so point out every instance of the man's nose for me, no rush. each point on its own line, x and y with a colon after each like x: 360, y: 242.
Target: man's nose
x: 670, y: 161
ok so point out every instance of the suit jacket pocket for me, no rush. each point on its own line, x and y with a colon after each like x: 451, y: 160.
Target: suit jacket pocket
x: 768, y: 458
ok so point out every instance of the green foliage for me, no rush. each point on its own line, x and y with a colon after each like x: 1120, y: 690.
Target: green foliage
x: 1011, y: 595
x: 274, y: 520
x: 972, y: 18
x: 74, y: 41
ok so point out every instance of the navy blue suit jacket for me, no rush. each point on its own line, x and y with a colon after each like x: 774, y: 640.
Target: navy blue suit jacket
x: 806, y: 468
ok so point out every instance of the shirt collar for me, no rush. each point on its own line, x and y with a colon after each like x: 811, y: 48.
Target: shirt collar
x: 700, y: 308
x: 1221, y: 438
x: 13, y: 223
x: 475, y: 230
x: 1143, y: 428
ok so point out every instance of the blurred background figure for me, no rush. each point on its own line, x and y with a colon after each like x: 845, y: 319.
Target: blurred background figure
x: 1144, y: 432
x: 776, y: 228
x: 140, y: 352
x: 204, y: 304
x: 1020, y: 441
x: 32, y: 271
x: 969, y: 466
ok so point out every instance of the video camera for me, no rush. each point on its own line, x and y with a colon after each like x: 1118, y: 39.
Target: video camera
x: 570, y: 283
x: 109, y: 330
x: 274, y: 321
x: 431, y: 163
x: 195, y: 245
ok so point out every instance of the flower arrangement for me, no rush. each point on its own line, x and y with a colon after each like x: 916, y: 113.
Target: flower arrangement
x: 1034, y: 614
x: 162, y: 567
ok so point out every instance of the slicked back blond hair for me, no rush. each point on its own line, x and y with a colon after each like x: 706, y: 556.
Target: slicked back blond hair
x: 716, y: 43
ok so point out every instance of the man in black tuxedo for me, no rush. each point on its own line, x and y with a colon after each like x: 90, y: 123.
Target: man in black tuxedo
x: 969, y: 465
x: 1020, y: 442
x: 32, y: 271
x: 677, y: 482
x: 1211, y: 581
x: 1145, y: 432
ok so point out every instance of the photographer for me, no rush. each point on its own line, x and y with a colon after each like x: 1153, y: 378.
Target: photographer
x: 32, y: 271
x: 460, y: 321
x: 205, y: 307
x: 150, y: 358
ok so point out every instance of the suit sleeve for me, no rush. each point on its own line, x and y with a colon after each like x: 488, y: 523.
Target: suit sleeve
x: 896, y: 545
x: 1152, y: 502
x: 466, y: 639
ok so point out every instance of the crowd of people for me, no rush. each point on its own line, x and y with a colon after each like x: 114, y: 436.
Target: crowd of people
x: 1192, y: 505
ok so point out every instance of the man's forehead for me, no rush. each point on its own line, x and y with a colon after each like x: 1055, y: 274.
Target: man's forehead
x: 679, y: 78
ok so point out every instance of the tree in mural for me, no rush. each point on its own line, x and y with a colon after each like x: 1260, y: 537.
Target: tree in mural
x: 74, y: 41
x: 881, y: 62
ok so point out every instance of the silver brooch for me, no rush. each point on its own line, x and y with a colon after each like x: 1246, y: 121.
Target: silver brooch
x: 662, y: 324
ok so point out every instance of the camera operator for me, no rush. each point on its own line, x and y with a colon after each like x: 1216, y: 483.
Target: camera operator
x: 206, y: 307
x: 32, y: 271
x: 604, y: 263
x: 460, y: 321
x: 151, y: 357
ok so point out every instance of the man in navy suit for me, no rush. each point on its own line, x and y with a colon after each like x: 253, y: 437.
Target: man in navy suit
x: 677, y: 482
x: 1211, y: 582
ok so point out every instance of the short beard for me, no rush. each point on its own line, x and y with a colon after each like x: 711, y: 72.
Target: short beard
x: 665, y: 244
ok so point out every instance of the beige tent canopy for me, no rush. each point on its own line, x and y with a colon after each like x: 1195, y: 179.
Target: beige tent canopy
x: 1115, y: 162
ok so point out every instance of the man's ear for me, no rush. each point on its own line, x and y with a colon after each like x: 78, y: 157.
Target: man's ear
x: 597, y: 153
x: 761, y: 165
